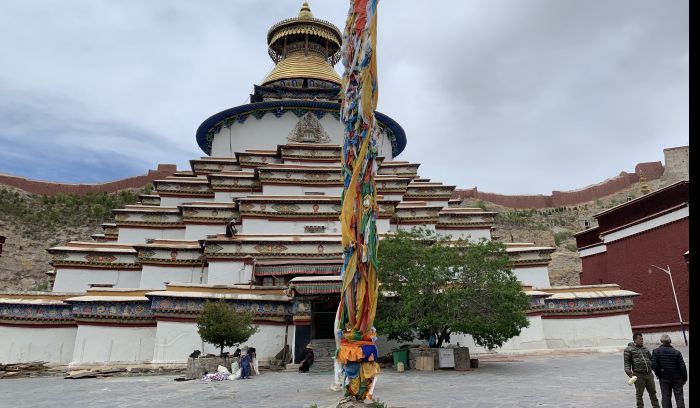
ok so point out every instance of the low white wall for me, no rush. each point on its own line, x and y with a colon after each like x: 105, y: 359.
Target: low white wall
x: 653, y: 339
x: 200, y: 231
x: 103, y: 344
x: 602, y: 331
x: 228, y: 272
x: 24, y: 344
x: 128, y: 235
x: 530, y: 338
x: 176, y: 340
x: 155, y: 276
x: 537, y: 276
x: 78, y: 279
x: 265, y: 226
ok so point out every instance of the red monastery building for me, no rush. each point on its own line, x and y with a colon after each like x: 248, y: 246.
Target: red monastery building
x: 633, y: 242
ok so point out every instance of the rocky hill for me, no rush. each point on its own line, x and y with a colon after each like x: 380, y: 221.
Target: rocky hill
x: 31, y: 223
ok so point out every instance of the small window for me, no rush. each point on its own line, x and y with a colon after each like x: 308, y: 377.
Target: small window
x: 314, y: 193
x: 268, y: 281
x: 314, y: 229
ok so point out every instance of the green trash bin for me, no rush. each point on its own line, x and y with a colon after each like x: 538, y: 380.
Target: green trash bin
x: 400, y: 355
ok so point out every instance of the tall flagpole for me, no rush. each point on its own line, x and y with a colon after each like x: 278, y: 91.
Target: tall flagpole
x: 355, y: 332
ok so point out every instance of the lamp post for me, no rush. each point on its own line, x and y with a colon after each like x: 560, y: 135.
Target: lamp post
x: 673, y: 288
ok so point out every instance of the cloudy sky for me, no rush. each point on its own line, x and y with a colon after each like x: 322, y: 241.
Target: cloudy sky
x: 511, y: 96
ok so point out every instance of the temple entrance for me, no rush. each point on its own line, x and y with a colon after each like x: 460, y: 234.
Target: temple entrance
x: 322, y: 318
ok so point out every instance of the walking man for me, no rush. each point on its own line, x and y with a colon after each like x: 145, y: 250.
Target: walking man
x: 668, y: 364
x: 638, y: 363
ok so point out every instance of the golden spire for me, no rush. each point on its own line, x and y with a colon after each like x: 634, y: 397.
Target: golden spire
x: 643, y: 186
x: 305, y: 12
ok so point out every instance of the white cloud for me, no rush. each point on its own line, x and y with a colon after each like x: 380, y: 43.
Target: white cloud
x: 510, y: 96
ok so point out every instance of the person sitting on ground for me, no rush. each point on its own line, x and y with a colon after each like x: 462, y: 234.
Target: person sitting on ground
x: 308, y: 360
x: 668, y: 364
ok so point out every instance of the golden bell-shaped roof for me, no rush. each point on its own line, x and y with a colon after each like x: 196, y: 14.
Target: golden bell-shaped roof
x: 304, y: 47
x: 298, y: 65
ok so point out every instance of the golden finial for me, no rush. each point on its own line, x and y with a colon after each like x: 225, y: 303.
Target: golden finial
x: 305, y: 11
x: 643, y: 186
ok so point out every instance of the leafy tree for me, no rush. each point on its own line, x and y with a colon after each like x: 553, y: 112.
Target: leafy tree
x: 221, y: 325
x: 434, y: 286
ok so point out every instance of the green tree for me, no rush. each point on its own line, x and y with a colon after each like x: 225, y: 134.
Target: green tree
x: 434, y: 286
x: 221, y: 325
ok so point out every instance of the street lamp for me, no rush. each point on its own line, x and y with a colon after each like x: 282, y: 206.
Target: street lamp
x: 673, y: 288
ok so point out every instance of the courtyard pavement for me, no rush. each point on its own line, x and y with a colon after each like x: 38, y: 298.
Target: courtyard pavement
x: 552, y: 380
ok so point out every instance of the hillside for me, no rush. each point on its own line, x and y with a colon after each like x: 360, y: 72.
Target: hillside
x: 555, y: 227
x: 31, y: 223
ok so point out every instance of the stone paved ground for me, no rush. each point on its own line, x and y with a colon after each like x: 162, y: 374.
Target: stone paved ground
x: 562, y: 380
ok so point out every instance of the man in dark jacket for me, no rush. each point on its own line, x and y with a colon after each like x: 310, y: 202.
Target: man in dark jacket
x: 638, y: 363
x: 669, y: 367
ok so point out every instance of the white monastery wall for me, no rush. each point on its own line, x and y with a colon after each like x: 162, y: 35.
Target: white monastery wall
x: 537, y: 276
x: 100, y: 344
x: 270, y: 131
x: 79, y: 279
x: 195, y: 232
x: 155, y: 276
x: 230, y: 196
x: 128, y: 235
x: 530, y: 338
x: 270, y: 226
x: 286, y: 189
x: 596, y: 331
x: 409, y: 227
x: 24, y: 344
x: 472, y: 235
x: 176, y: 340
x: 176, y: 201
x: 228, y: 272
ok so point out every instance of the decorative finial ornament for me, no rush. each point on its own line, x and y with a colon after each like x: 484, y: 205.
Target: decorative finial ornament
x: 643, y: 186
x: 305, y: 11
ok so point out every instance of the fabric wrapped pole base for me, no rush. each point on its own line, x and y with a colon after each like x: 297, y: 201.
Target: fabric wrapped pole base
x: 358, y: 354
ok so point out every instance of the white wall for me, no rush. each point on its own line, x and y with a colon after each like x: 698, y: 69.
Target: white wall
x: 154, y: 276
x: 200, y: 231
x: 24, y: 344
x: 270, y: 131
x: 101, y: 344
x: 135, y: 235
x: 537, y: 276
x: 176, y: 340
x: 286, y: 189
x: 78, y: 279
x: 530, y: 338
x: 265, y: 226
x: 228, y: 196
x: 602, y: 331
x: 228, y: 272
x: 169, y: 201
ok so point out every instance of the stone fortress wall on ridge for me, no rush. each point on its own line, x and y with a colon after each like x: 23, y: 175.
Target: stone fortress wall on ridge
x: 675, y: 169
x: 48, y: 188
